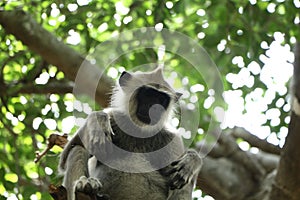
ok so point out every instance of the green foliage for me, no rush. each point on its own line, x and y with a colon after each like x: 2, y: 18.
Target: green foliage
x: 226, y: 29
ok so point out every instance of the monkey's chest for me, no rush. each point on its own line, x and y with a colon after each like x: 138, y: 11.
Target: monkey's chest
x: 130, y: 169
x: 128, y: 180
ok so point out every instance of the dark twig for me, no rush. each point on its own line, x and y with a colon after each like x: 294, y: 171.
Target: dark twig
x: 54, y: 139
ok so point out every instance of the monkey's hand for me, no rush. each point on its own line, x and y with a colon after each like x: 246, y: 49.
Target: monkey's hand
x: 97, y: 132
x: 183, y: 170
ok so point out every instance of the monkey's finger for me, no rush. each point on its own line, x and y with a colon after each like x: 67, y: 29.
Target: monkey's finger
x: 103, y: 197
x: 169, y: 170
x: 177, y: 185
x: 110, y: 130
x: 108, y: 136
x: 178, y: 182
x: 175, y: 162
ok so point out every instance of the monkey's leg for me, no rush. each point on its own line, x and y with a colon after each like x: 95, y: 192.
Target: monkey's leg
x: 76, y: 174
x: 75, y: 167
x: 74, y: 158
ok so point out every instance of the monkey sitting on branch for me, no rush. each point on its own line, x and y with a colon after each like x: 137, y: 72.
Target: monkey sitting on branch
x: 127, y: 151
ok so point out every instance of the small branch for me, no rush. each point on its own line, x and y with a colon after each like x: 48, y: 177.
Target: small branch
x: 32, y: 74
x: 7, y: 127
x: 54, y: 139
x: 60, y: 193
x: 9, y: 59
x: 255, y: 141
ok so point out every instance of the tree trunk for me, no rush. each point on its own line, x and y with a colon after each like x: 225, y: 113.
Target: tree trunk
x: 287, y: 182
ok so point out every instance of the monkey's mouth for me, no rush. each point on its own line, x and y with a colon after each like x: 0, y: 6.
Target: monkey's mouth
x: 147, y: 120
x: 150, y: 115
x: 143, y: 118
x: 151, y: 104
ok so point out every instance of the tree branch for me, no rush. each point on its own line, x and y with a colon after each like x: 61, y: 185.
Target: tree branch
x: 235, y: 153
x: 26, y: 29
x: 255, y: 141
x: 57, y: 87
x: 267, y: 160
x: 227, y: 166
x: 222, y: 178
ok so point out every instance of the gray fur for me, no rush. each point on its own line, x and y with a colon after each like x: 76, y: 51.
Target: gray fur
x: 91, y: 162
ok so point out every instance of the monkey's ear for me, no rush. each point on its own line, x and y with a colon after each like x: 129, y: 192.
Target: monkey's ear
x: 125, y: 76
x: 177, y: 96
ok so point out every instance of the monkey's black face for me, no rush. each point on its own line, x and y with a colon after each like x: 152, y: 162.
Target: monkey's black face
x: 151, y: 104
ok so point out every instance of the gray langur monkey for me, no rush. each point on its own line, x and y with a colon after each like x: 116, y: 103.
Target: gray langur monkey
x: 127, y: 152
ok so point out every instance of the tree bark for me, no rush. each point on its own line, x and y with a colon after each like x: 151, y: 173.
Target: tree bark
x: 287, y: 182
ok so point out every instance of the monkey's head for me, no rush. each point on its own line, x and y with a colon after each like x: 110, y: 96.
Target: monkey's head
x: 146, y: 97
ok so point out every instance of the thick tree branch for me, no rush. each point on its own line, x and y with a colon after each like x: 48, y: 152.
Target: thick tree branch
x: 26, y: 29
x: 222, y: 178
x: 255, y: 141
x: 57, y: 87
x: 267, y: 160
x: 235, y: 153
x: 227, y: 166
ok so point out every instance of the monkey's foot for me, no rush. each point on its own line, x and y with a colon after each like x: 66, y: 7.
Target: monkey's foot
x: 88, y: 185
x: 183, y: 170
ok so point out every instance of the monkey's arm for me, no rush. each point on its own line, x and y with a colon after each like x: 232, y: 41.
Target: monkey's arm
x: 96, y: 131
x: 75, y: 141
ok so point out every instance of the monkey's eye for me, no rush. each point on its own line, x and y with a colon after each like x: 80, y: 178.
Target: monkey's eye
x: 156, y: 86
